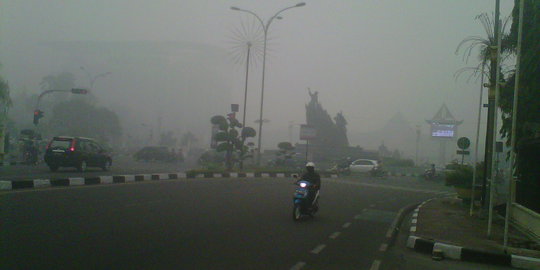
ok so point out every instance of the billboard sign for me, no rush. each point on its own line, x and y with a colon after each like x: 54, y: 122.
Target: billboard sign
x: 443, y: 130
x: 307, y: 132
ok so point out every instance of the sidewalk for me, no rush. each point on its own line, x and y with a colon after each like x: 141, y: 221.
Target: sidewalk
x: 445, y: 221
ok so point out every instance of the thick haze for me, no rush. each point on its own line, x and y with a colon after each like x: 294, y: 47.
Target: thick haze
x: 368, y: 58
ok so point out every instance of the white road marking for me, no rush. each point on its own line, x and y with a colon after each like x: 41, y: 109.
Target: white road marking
x: 298, y: 266
x: 415, y: 215
x: 346, y: 225
x: 383, y: 247
x: 334, y: 235
x: 413, y: 229
x: 414, y: 220
x: 375, y: 266
x: 372, y: 205
x: 318, y: 249
x: 359, y: 216
x: 389, y: 232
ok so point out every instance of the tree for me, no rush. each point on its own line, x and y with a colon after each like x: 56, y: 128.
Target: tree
x: 528, y: 108
x: 77, y: 117
x: 230, y: 140
x: 167, y: 139
x: 528, y: 111
x: 62, y: 81
x: 5, y: 102
x: 485, y: 45
x: 285, y: 154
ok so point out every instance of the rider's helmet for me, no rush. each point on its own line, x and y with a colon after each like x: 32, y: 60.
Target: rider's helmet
x: 310, y: 166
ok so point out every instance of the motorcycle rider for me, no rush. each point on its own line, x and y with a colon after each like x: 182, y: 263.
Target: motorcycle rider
x: 313, y: 178
x: 430, y: 173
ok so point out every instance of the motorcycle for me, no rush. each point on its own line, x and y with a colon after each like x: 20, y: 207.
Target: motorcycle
x: 377, y: 171
x: 342, y: 168
x: 302, y: 208
x: 429, y: 175
x: 30, y: 157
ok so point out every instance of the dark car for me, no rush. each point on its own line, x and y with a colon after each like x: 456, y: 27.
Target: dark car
x: 156, y: 153
x: 76, y: 152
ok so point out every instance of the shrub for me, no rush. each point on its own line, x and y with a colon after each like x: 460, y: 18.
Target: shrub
x: 462, y: 175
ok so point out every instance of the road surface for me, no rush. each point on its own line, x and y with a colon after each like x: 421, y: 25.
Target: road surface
x: 202, y: 224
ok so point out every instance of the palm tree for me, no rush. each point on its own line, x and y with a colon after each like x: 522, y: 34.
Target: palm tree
x: 5, y: 99
x: 486, y: 46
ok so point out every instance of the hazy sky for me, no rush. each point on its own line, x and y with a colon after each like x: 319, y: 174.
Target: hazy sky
x: 367, y: 58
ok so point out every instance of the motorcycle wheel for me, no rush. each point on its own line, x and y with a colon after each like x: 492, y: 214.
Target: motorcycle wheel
x: 297, y: 212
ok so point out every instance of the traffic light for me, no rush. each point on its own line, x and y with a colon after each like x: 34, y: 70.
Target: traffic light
x: 37, y: 115
x: 79, y: 91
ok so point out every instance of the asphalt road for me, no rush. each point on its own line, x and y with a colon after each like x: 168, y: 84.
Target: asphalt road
x: 201, y: 224
x: 121, y: 165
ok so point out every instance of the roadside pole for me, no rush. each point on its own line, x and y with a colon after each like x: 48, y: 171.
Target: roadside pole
x: 307, y: 133
x: 511, y: 190
x: 495, y: 118
x: 475, y: 174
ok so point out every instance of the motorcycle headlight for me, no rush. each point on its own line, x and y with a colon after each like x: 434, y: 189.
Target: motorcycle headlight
x: 303, y: 185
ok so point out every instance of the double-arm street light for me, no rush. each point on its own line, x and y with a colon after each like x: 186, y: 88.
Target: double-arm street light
x: 93, y: 79
x: 265, y: 30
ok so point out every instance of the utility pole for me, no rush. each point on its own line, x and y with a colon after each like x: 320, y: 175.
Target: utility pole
x: 488, y: 156
x: 417, y: 144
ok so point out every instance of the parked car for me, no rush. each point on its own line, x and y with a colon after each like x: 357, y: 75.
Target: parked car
x: 76, y: 152
x: 156, y: 153
x: 363, y: 165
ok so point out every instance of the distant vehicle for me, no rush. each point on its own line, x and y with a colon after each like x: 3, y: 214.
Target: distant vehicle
x: 77, y: 152
x: 156, y: 153
x: 363, y: 166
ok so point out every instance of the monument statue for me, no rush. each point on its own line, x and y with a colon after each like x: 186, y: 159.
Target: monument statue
x: 331, y: 133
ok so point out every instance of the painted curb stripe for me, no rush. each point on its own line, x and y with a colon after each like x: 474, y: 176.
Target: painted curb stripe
x: 92, y: 181
x: 5, y: 185
x: 116, y: 179
x: 525, y: 262
x: 424, y: 246
x: 59, y: 182
x: 22, y: 184
x: 449, y: 251
x: 106, y: 179
x: 472, y: 255
x: 119, y: 179
x: 41, y: 183
x: 76, y: 181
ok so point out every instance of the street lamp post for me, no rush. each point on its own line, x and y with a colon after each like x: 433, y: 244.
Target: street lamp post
x: 265, y: 30
x: 92, y: 79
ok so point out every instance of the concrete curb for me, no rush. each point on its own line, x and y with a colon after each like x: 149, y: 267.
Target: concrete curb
x: 454, y: 252
x: 118, y: 179
x: 472, y: 255
x: 393, y: 231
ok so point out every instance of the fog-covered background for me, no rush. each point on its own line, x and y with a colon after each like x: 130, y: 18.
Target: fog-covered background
x: 171, y: 62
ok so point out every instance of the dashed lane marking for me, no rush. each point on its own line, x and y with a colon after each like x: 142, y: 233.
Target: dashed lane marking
x: 298, y: 266
x: 318, y: 249
x: 346, y: 225
x: 375, y: 265
x: 383, y: 247
x: 413, y: 229
x: 334, y: 235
